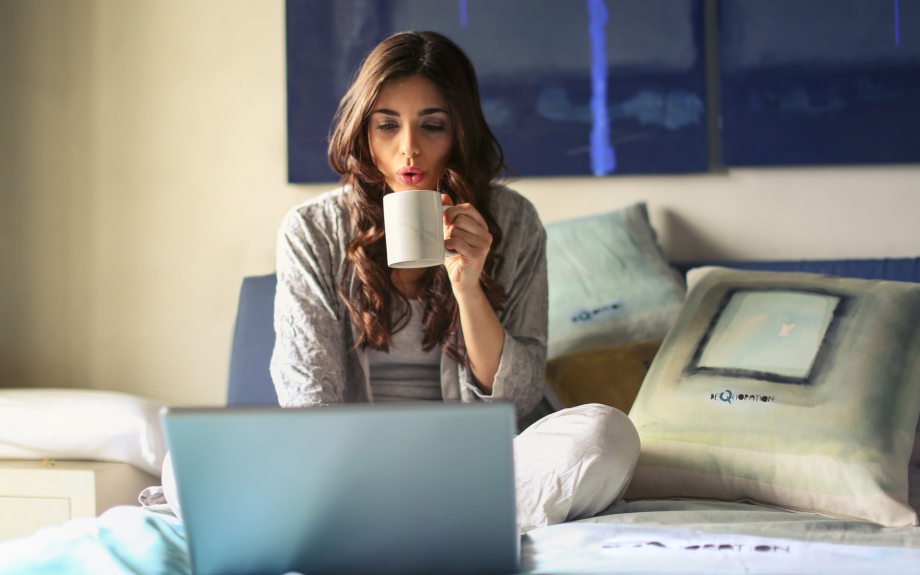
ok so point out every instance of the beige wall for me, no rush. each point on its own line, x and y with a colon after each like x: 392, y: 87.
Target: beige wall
x: 143, y: 175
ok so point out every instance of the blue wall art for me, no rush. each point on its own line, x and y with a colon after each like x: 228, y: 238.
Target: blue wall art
x: 819, y: 81
x: 569, y: 87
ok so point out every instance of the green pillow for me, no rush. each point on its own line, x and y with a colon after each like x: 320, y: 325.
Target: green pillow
x: 609, y: 282
x: 798, y: 391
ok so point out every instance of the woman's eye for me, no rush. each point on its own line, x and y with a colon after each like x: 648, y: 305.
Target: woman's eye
x: 433, y: 127
x: 386, y: 127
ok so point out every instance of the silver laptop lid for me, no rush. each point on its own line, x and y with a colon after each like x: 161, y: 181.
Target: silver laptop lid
x: 358, y: 488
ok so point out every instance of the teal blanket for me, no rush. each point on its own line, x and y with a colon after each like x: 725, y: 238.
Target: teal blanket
x: 123, y: 540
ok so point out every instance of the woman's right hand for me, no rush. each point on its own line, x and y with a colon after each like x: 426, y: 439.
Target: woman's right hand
x: 466, y: 235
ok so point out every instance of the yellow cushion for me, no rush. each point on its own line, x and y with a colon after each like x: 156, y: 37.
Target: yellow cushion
x: 609, y: 375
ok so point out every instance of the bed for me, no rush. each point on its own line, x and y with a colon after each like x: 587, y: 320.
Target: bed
x: 673, y: 533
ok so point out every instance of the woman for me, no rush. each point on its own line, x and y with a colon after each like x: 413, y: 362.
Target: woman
x: 412, y: 120
x: 351, y: 329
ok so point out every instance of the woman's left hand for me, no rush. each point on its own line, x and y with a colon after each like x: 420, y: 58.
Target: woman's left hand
x: 466, y: 235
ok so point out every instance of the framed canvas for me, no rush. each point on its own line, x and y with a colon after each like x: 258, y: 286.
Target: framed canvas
x: 819, y: 81
x: 569, y: 87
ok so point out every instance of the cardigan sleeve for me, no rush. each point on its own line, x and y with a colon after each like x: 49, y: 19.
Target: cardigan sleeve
x: 308, y: 365
x: 524, y: 317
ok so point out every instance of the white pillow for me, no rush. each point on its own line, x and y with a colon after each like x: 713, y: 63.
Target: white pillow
x: 81, y: 424
x: 573, y: 464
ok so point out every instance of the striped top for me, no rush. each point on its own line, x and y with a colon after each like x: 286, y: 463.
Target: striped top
x: 406, y: 372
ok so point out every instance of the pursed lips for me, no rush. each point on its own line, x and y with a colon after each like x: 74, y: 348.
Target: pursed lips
x: 410, y: 174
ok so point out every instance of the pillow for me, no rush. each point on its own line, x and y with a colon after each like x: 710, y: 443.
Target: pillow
x: 693, y: 277
x: 798, y: 391
x: 572, y: 464
x: 608, y: 282
x: 609, y: 375
x: 81, y: 424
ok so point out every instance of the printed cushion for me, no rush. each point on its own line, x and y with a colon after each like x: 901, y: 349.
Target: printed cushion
x: 793, y: 390
x: 609, y: 282
x: 610, y: 375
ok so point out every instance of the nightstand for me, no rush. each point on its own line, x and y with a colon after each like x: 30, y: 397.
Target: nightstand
x: 36, y: 494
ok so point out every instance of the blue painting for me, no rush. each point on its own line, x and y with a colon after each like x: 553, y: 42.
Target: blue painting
x: 569, y: 87
x: 819, y: 81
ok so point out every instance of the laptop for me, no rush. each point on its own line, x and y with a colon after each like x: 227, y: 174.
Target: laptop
x: 355, y: 488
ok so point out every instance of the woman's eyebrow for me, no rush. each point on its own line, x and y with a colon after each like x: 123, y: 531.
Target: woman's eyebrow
x: 425, y: 112
x: 430, y: 111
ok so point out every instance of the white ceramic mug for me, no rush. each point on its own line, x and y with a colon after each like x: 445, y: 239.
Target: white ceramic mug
x: 414, y: 229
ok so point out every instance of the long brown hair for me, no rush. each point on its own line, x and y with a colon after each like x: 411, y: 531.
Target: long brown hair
x: 476, y: 159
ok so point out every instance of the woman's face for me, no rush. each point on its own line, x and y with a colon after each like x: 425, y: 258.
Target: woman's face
x: 410, y: 134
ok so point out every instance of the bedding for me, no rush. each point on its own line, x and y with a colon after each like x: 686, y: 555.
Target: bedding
x: 81, y: 424
x: 736, y: 518
x: 794, y: 390
x: 610, y: 548
x: 123, y: 540
x: 611, y: 375
x: 638, y: 537
x: 609, y: 282
x: 902, y: 270
x: 572, y: 467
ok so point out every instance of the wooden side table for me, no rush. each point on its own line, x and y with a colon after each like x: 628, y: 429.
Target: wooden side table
x: 36, y: 494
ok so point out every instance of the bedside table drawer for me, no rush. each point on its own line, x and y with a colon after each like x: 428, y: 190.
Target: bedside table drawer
x: 35, y: 495
x: 23, y: 516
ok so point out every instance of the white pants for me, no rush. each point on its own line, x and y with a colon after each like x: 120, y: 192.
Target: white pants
x: 573, y: 464
x: 569, y: 465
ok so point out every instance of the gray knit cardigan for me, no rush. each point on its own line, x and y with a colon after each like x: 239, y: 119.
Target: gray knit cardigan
x: 315, y: 361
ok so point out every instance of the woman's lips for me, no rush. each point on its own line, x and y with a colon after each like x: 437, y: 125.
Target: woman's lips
x: 410, y: 175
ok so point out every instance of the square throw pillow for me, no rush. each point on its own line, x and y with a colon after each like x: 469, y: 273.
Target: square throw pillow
x: 610, y: 375
x: 609, y: 282
x: 798, y: 391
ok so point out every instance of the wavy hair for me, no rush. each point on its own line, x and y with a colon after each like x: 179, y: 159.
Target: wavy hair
x: 476, y: 160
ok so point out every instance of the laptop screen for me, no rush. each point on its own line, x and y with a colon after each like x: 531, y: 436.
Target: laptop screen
x: 357, y: 488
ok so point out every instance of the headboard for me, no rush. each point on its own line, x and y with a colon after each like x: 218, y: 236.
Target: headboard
x: 253, y: 341
x: 254, y: 335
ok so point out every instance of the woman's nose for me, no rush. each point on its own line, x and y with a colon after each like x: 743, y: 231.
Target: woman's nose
x: 409, y: 143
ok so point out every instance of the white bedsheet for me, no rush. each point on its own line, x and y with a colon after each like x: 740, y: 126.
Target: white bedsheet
x: 610, y: 548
